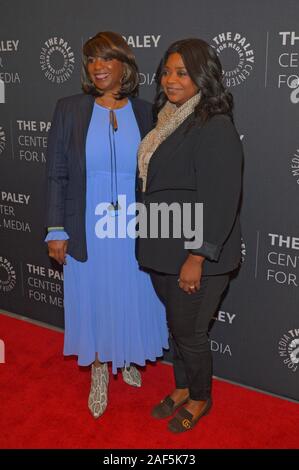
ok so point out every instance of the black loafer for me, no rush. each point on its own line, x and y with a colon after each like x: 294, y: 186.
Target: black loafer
x: 183, y: 421
x: 166, y: 407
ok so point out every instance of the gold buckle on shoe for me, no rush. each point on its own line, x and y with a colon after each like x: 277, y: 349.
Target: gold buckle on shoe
x: 186, y: 423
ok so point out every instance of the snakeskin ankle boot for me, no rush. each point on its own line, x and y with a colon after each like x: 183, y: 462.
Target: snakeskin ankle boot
x: 97, y: 400
x: 131, y: 376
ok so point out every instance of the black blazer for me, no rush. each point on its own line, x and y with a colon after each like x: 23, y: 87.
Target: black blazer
x: 197, y: 165
x: 66, y: 165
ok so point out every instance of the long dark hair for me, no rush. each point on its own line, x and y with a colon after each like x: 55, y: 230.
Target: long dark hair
x: 110, y: 45
x: 205, y: 70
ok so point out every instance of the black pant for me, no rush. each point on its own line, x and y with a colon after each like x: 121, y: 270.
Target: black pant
x: 188, y: 317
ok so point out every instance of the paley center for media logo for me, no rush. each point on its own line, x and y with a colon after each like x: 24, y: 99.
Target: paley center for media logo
x: 142, y: 41
x: 295, y: 165
x: 57, y: 60
x: 8, y: 276
x: 283, y: 260
x: 236, y: 55
x: 288, y: 349
x: 7, y: 77
x: 289, y: 63
x: 2, y: 140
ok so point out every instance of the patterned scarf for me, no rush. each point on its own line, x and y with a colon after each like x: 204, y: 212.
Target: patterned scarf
x: 169, y: 119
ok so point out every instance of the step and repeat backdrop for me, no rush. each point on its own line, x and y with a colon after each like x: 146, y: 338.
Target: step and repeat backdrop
x: 255, y: 337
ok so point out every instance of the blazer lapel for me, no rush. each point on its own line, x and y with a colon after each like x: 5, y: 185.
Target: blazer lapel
x: 163, y: 155
x: 140, y: 117
x: 82, y: 121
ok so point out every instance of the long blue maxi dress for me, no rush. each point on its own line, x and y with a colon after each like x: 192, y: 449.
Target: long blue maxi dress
x: 110, y: 305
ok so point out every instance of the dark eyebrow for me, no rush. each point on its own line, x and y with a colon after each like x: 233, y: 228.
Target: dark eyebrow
x: 165, y: 67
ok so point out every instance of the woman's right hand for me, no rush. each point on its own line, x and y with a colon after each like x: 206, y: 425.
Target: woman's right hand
x: 57, y: 250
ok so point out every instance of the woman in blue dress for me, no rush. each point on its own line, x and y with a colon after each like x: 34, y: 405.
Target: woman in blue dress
x: 111, y: 311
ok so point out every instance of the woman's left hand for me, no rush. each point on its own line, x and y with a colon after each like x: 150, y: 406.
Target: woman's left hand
x: 190, y: 274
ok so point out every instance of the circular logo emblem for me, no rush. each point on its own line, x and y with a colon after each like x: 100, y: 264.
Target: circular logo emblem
x: 293, y: 350
x: 294, y: 84
x: 57, y: 60
x: 295, y: 165
x: 2, y: 140
x: 243, y: 250
x: 288, y: 348
x: 7, y: 275
x: 236, y: 55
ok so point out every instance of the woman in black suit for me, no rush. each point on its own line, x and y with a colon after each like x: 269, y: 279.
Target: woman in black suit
x: 194, y: 155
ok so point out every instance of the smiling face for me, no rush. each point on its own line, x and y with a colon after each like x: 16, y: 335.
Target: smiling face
x: 105, y: 73
x: 176, y: 82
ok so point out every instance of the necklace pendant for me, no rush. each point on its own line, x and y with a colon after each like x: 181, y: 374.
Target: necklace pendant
x: 113, y: 120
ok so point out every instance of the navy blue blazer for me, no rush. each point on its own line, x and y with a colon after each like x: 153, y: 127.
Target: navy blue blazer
x: 66, y: 165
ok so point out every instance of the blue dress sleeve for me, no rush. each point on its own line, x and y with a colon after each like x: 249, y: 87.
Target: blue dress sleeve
x: 57, y: 235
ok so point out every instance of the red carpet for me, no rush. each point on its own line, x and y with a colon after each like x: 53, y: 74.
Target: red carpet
x: 43, y: 405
